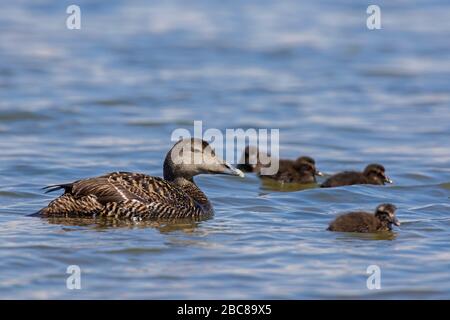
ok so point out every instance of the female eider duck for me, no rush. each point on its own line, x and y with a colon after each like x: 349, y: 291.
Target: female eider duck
x: 136, y: 195
x: 302, y: 170
x: 382, y: 220
x: 372, y: 174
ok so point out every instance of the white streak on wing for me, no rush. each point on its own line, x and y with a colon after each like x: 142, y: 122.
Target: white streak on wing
x: 120, y: 192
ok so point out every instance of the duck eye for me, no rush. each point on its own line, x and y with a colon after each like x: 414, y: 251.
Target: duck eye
x: 209, y: 150
x: 195, y: 149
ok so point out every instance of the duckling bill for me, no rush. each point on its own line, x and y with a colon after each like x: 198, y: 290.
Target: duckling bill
x: 382, y: 220
x: 137, y: 195
x: 372, y: 174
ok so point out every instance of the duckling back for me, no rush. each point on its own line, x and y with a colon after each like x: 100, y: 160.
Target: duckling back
x: 355, y: 222
x: 346, y: 178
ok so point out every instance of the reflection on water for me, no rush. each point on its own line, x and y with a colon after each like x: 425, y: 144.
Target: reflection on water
x: 446, y: 186
x: 75, y: 104
x: 386, y: 235
x: 273, y: 185
x: 104, y: 223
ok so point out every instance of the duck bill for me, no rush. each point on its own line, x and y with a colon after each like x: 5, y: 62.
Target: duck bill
x: 387, y: 180
x: 319, y: 173
x: 230, y: 170
x: 396, y: 222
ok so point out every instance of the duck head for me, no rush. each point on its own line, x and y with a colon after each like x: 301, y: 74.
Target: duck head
x: 190, y: 157
x: 386, y: 214
x: 376, y: 174
x: 307, y: 165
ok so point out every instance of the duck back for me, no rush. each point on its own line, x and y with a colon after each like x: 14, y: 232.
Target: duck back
x: 129, y: 195
x: 345, y: 179
x: 355, y: 222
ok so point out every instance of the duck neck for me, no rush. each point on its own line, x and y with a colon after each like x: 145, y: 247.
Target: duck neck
x: 189, y: 186
x: 306, y: 174
x: 372, y: 178
x: 184, y: 182
x: 384, y: 225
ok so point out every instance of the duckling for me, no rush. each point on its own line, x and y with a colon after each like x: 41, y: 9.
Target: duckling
x: 372, y: 174
x: 250, y: 160
x: 302, y: 170
x: 382, y: 220
x: 139, y: 196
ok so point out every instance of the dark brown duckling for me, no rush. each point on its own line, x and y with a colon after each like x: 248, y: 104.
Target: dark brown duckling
x: 382, y: 220
x: 250, y: 160
x: 302, y: 170
x: 137, y: 195
x: 372, y: 174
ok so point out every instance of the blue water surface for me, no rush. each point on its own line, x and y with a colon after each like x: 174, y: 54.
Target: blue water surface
x: 79, y: 103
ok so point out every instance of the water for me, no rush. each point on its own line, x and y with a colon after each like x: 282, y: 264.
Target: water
x: 79, y: 103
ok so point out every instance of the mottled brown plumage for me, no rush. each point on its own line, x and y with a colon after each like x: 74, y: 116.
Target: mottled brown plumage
x: 136, y: 195
x: 382, y: 220
x: 372, y: 174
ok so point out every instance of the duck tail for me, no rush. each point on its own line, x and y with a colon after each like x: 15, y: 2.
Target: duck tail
x: 40, y: 213
x: 67, y: 187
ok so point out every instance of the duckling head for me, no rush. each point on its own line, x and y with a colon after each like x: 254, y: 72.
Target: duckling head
x: 376, y: 173
x: 386, y: 214
x: 250, y: 159
x: 307, y: 165
x: 190, y: 157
